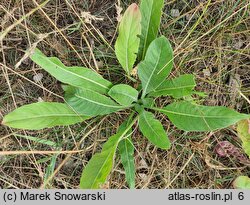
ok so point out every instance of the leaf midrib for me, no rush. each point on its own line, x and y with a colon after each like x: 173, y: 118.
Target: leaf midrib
x: 110, y: 152
x: 126, y: 150
x: 144, y: 114
x: 67, y: 71
x: 115, y: 146
x: 126, y: 94
x: 98, y: 103
x: 151, y: 75
x: 174, y: 88
x: 127, y: 40
x: 46, y: 116
x: 191, y: 115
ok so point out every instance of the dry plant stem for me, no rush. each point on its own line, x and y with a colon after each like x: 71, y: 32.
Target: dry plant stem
x: 209, y: 31
x: 59, y: 31
x: 195, y: 25
x: 91, y: 53
x: 82, y: 22
x: 245, y: 97
x: 25, y: 23
x: 98, y: 32
x: 33, y: 33
x: 187, y: 162
x: 208, y: 158
x: 2, y: 65
x: 69, y: 155
x: 5, y: 153
x: 7, y: 30
x: 11, y: 185
x: 6, y: 76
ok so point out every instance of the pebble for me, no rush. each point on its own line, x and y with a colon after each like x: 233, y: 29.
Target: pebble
x: 175, y: 12
x: 38, y: 77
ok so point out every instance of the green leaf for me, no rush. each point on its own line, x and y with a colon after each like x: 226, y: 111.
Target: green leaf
x: 127, y: 43
x: 123, y: 94
x: 151, y: 16
x: 242, y: 182
x: 75, y: 76
x: 42, y: 115
x: 91, y: 103
x: 156, y: 66
x: 38, y: 140
x: 49, y: 171
x: 153, y: 130
x: 148, y: 102
x: 177, y: 87
x: 243, y: 130
x: 100, y: 165
x: 192, y: 117
x: 126, y: 150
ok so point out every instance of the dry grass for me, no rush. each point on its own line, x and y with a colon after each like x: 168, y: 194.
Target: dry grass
x: 211, y: 39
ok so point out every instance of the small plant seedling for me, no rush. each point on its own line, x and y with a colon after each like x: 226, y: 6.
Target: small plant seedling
x: 88, y: 95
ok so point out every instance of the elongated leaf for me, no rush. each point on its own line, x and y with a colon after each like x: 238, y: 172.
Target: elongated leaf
x: 38, y: 140
x: 100, y: 165
x: 123, y: 94
x: 156, y: 66
x: 127, y: 43
x: 126, y: 150
x: 177, y: 87
x: 76, y: 76
x: 153, y: 130
x: 49, y: 171
x: 151, y: 16
x: 242, y: 182
x: 42, y: 115
x: 243, y: 130
x: 91, y: 103
x: 192, y: 117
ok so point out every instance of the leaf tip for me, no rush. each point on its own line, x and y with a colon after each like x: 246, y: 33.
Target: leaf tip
x: 134, y: 7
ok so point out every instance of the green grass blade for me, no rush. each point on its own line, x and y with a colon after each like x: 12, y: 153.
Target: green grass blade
x: 38, y: 140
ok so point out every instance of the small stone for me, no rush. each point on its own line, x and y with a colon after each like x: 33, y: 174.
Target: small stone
x: 38, y: 77
x: 238, y: 44
x: 99, y: 64
x: 206, y: 72
x: 143, y: 164
x: 175, y: 12
x: 40, y: 99
x: 143, y: 177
